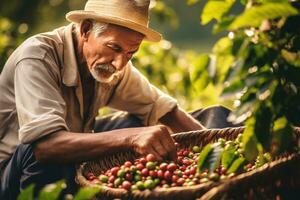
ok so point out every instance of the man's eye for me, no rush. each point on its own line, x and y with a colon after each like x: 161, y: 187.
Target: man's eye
x: 115, y: 48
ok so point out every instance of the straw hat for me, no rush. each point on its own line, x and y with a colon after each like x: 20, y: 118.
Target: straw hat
x: 132, y: 14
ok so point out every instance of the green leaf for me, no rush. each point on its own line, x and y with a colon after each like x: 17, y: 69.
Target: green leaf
x: 262, y: 127
x: 222, y: 46
x: 199, y: 66
x: 255, y: 15
x: 27, y: 193
x: 87, y: 193
x: 214, y: 157
x: 223, y: 64
x: 223, y: 24
x: 249, y: 140
x: 199, y: 74
x: 234, y: 88
x: 237, y: 164
x: 52, y: 191
x: 202, y: 157
x: 228, y: 156
x: 282, y: 136
x: 215, y: 9
x: 291, y: 57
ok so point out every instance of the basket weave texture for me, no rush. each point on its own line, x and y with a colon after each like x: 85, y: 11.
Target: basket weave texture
x: 186, y: 140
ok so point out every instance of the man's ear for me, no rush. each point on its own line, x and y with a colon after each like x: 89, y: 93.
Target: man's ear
x: 86, y: 29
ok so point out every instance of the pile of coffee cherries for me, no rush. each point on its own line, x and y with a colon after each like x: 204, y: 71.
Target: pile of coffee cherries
x: 147, y: 173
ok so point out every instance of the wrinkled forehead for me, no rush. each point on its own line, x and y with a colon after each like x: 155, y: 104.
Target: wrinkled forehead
x: 125, y: 30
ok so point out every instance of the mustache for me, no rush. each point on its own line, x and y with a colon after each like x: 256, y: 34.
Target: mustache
x: 105, y: 67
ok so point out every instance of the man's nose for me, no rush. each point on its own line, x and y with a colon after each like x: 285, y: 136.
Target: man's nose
x: 119, y: 61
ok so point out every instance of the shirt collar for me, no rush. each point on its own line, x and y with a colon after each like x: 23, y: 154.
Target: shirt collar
x: 70, y: 72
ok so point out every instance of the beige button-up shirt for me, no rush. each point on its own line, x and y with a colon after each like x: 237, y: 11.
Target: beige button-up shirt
x: 41, y: 92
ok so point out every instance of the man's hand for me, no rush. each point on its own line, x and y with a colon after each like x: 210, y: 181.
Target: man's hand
x: 155, y: 140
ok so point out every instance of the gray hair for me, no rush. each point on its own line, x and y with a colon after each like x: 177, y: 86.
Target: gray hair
x: 98, y: 27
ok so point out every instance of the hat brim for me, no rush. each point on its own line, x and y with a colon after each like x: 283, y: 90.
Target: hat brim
x: 79, y: 15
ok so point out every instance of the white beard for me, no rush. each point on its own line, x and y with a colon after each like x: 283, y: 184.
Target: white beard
x: 98, y: 74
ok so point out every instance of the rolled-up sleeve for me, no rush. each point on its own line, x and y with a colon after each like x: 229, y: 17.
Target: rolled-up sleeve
x: 136, y: 95
x: 39, y: 103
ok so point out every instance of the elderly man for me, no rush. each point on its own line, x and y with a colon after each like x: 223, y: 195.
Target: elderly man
x: 54, y: 83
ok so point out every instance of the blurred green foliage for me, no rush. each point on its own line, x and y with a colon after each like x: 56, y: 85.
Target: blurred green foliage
x: 54, y: 192
x: 258, y: 62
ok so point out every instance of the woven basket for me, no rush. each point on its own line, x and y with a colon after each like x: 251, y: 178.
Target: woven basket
x: 187, y: 140
x: 279, y: 179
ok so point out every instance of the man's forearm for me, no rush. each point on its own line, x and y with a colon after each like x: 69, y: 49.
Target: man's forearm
x: 66, y: 147
x: 179, y: 120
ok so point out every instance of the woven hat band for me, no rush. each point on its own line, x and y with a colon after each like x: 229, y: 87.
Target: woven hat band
x: 123, y: 9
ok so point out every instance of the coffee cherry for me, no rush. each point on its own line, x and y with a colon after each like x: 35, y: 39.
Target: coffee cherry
x: 214, y: 176
x: 145, y: 172
x: 172, y: 167
x: 128, y: 176
x: 140, y: 185
x: 111, y: 179
x: 90, y: 176
x: 115, y: 170
x: 143, y: 161
x: 103, y: 178
x: 185, y: 152
x: 173, y: 184
x: 121, y: 173
x: 110, y: 185
x: 193, y: 170
x: 118, y: 182
x: 126, y: 185
x: 167, y: 175
x: 149, y: 184
x: 153, y: 174
x: 140, y: 166
x: 150, y: 165
x: 160, y: 174
x: 186, y: 162
x: 133, y: 188
x: 137, y: 177
x: 133, y: 169
x: 175, y: 178
x: 222, y: 170
x: 163, y: 166
x: 150, y: 158
x: 180, y: 181
x: 127, y: 164
x: 156, y: 181
x: 196, y: 149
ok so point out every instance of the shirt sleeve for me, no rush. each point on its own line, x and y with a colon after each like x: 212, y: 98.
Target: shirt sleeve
x: 136, y: 95
x: 39, y: 103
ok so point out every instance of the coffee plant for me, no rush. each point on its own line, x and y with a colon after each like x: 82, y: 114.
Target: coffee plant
x: 258, y: 63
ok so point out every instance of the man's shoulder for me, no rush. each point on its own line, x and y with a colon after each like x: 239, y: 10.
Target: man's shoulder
x: 37, y: 46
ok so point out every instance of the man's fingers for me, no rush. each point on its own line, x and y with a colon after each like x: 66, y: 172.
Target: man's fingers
x: 156, y: 154
x: 168, y: 143
x: 171, y: 148
x: 161, y: 149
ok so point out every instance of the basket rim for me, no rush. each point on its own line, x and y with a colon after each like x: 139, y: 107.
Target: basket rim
x: 280, y: 162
